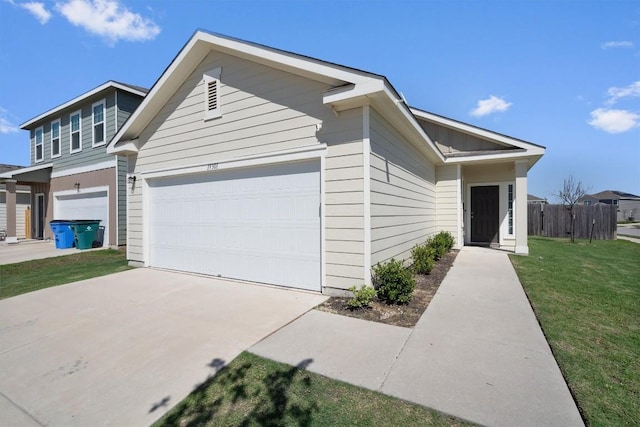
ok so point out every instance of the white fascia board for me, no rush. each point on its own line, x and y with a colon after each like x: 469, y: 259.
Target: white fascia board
x: 10, y: 174
x: 81, y: 98
x: 529, y: 156
x: 154, y: 100
x: 198, y: 47
x: 128, y: 147
x: 353, y: 91
x: 407, y: 114
x: 479, y: 132
x: 292, y: 60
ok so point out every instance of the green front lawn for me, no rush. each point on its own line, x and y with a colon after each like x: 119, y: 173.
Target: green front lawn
x: 28, y: 276
x: 587, y: 299
x: 252, y: 391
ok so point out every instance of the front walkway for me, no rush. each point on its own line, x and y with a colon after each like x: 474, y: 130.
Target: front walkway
x: 477, y: 352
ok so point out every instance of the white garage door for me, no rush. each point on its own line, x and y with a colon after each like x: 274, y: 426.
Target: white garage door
x: 258, y: 224
x: 93, y: 205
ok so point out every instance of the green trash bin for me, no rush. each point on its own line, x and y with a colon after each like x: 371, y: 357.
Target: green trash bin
x: 85, y: 232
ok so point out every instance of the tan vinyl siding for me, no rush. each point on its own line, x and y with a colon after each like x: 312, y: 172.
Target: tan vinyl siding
x: 122, y: 199
x: 496, y: 172
x: 447, y: 201
x: 23, y: 202
x: 134, y: 210
x: 403, y: 196
x: 344, y: 200
x: 263, y: 110
x: 453, y: 141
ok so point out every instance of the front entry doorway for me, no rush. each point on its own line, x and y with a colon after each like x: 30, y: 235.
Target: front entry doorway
x: 485, y: 222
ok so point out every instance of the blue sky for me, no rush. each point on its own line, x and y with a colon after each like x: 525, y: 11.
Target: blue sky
x: 563, y: 74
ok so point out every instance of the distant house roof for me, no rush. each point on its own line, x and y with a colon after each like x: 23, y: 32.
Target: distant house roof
x: 136, y: 90
x: 533, y: 199
x: 612, y: 195
x: 6, y: 168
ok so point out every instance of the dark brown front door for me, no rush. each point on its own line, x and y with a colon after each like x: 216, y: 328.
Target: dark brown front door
x: 484, y: 214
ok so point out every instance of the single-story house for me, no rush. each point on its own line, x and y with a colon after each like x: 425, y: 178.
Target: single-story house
x: 258, y: 164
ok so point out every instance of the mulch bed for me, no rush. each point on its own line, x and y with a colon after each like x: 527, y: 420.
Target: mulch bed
x: 406, y: 315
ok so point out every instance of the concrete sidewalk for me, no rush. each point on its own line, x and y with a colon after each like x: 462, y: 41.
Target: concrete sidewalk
x: 477, y: 353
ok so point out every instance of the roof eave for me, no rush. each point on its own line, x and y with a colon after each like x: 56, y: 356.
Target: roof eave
x: 110, y: 84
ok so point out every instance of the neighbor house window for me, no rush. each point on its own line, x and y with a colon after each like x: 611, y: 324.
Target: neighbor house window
x: 39, y: 144
x: 75, y: 129
x: 55, y: 139
x: 212, y: 94
x: 98, y: 123
x: 510, y: 205
x: 587, y: 202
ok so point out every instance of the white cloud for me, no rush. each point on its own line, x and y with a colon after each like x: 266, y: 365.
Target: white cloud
x: 615, y: 44
x: 614, y: 121
x: 616, y: 93
x: 38, y: 10
x: 491, y: 105
x: 5, y: 124
x: 108, y: 19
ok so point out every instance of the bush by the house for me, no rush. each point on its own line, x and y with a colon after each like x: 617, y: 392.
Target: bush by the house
x: 394, y: 281
x: 423, y: 258
x: 361, y: 297
x: 441, y: 244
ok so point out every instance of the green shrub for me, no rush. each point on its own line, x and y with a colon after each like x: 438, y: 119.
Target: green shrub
x: 423, y: 259
x: 394, y: 281
x: 361, y: 297
x: 441, y: 244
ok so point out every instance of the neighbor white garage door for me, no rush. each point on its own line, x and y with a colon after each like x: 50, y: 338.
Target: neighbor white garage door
x: 93, y: 205
x: 259, y: 224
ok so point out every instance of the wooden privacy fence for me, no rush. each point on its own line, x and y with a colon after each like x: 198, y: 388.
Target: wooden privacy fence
x: 555, y: 221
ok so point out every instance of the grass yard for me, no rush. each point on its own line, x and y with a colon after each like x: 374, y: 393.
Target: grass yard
x: 587, y: 299
x: 252, y: 391
x: 28, y: 276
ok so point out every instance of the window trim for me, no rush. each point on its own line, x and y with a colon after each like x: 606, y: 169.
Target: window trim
x: 58, y: 121
x: 79, y: 149
x: 35, y: 144
x: 208, y: 78
x: 103, y: 122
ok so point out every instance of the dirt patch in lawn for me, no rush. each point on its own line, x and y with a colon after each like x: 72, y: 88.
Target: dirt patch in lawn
x: 406, y: 315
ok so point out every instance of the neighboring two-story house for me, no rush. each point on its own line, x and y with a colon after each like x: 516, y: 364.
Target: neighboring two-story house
x: 71, y: 175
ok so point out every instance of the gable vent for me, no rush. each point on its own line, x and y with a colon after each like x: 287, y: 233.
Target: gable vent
x: 212, y: 91
x: 212, y: 94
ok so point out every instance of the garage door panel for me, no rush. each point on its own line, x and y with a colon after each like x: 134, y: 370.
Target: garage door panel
x: 260, y: 224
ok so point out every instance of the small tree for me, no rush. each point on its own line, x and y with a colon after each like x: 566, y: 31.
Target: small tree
x: 569, y: 194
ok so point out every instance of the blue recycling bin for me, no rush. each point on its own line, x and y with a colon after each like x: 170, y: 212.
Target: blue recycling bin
x: 63, y: 234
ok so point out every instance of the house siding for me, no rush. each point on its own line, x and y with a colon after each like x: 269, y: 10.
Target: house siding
x: 89, y: 155
x: 127, y: 104
x: 23, y: 202
x: 403, y: 194
x: 344, y: 200
x: 263, y: 110
x: 447, y: 201
x: 121, y: 176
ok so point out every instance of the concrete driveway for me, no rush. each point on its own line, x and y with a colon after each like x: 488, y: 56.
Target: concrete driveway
x: 123, y: 349
x: 27, y: 250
